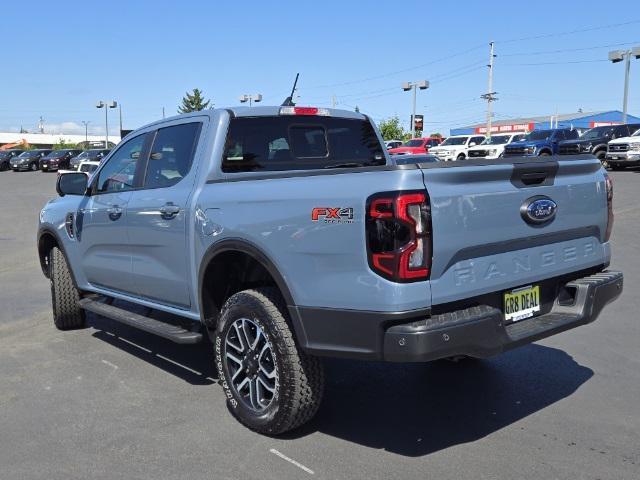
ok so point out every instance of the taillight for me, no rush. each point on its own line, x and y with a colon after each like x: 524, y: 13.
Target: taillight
x: 609, y: 188
x: 399, y: 243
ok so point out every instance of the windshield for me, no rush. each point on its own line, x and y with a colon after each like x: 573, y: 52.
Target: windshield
x: 298, y: 142
x: 29, y: 154
x: 87, y: 154
x: 496, y: 140
x: 636, y: 133
x: 412, y: 143
x: 57, y: 154
x: 88, y: 167
x: 455, y: 141
x: 539, y: 135
x: 597, y: 132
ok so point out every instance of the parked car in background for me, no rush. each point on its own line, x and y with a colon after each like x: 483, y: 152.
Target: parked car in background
x: 58, y: 159
x: 493, y: 146
x: 413, y: 158
x: 28, y: 160
x: 392, y: 144
x: 540, y: 142
x: 88, y: 155
x: 624, y: 152
x: 416, y: 145
x: 6, y: 156
x: 456, y: 147
x: 595, y: 140
x: 88, y: 167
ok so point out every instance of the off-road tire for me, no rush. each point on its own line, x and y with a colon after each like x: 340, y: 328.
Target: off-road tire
x: 67, y: 314
x: 300, y: 381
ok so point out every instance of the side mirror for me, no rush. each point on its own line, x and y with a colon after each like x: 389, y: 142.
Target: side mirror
x: 472, y: 144
x: 72, y: 184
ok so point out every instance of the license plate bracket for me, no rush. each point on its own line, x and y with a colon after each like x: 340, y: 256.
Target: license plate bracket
x: 521, y: 303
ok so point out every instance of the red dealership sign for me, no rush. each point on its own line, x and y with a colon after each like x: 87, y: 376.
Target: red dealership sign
x: 514, y: 127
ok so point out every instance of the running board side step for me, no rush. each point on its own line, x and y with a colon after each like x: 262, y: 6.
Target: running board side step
x: 162, y: 329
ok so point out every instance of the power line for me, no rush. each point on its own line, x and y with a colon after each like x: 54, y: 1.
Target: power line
x: 570, y: 32
x: 564, y: 50
x: 408, y: 69
x: 551, y: 63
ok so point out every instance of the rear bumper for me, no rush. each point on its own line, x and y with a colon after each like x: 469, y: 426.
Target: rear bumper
x: 478, y: 331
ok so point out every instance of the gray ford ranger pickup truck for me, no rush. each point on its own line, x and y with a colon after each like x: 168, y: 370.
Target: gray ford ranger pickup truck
x: 283, y: 234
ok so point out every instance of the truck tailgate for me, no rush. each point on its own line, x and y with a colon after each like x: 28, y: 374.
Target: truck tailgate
x: 482, y: 242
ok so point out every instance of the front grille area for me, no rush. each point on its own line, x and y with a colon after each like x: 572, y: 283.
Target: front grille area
x: 569, y: 149
x: 618, y: 147
x: 477, y: 153
x: 514, y: 151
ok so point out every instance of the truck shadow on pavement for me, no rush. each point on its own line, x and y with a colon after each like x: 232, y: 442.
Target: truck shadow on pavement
x: 192, y: 363
x: 407, y: 409
x: 418, y: 409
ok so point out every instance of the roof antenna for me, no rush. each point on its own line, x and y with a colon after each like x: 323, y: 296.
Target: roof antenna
x: 288, y: 102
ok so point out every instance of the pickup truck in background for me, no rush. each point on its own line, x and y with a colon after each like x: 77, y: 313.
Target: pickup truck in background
x: 595, y: 140
x: 493, y: 146
x: 416, y: 146
x: 456, y: 147
x: 624, y: 152
x: 284, y: 234
x: 540, y: 143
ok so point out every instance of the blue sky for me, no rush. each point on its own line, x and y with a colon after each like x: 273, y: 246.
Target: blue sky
x: 64, y: 56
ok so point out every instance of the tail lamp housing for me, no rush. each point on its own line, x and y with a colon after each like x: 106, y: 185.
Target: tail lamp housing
x: 609, y: 191
x: 399, y: 241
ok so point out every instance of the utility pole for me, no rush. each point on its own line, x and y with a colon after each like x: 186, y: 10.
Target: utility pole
x: 490, y: 95
x: 162, y: 112
x: 41, y: 124
x: 333, y: 101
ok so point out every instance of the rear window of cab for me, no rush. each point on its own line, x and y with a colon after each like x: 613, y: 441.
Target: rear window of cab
x: 280, y: 143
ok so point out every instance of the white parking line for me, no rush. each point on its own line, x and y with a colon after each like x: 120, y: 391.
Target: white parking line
x: 178, y: 364
x: 135, y: 345
x: 292, y: 461
x: 112, y: 365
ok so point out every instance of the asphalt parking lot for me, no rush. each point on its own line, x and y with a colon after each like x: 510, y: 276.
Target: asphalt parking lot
x: 110, y: 402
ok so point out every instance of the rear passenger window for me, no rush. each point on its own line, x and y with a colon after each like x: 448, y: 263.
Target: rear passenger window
x: 171, y: 155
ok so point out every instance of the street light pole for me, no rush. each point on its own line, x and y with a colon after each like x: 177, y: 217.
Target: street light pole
x: 490, y: 95
x: 106, y: 107
x: 120, y: 112
x: 86, y: 130
x: 251, y: 98
x: 422, y: 85
x: 616, y: 56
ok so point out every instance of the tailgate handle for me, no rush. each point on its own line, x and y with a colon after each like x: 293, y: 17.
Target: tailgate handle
x: 533, y: 178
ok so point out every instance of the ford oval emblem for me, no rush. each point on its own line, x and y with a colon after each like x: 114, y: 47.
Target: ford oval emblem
x: 538, y: 210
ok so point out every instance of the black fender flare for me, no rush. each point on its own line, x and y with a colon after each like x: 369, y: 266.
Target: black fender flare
x: 42, y: 231
x: 248, y: 248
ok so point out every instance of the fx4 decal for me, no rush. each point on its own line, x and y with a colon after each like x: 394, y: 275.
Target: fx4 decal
x: 332, y: 215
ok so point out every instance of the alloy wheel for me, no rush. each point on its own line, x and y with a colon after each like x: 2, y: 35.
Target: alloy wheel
x: 250, y: 361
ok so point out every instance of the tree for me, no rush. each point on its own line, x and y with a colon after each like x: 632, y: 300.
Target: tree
x: 438, y: 135
x: 391, y: 129
x: 63, y: 145
x: 193, y: 102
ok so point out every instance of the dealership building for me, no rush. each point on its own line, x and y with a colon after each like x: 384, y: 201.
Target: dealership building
x: 48, y: 140
x: 582, y: 120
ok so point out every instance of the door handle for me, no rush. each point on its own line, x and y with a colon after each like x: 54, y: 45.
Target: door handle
x: 169, y: 211
x: 115, y: 212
